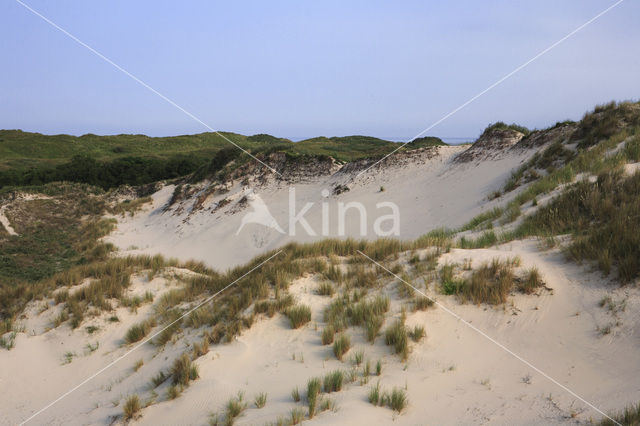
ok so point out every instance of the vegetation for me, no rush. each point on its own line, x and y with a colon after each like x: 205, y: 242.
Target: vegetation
x: 298, y: 315
x: 111, y: 161
x: 131, y: 407
x: 332, y: 382
x: 503, y: 126
x: 341, y: 345
x: 313, y: 391
x: 397, y: 399
x: 396, y: 335
x: 183, y: 370
x: 630, y: 416
x: 234, y: 407
x: 138, y: 331
x: 295, y: 394
x: 602, y: 217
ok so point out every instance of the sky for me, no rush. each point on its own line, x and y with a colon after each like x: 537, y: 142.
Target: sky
x: 299, y: 69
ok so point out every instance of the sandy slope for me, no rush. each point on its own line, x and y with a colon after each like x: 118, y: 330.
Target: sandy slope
x: 454, y: 376
x: 429, y: 192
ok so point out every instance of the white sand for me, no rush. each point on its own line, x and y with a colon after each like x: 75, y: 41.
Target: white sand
x: 431, y: 193
x: 454, y: 376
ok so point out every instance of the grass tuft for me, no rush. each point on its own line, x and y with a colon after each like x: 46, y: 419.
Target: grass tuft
x: 131, y: 407
x: 341, y: 345
x: 298, y: 315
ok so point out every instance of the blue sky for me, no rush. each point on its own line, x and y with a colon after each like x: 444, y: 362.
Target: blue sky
x: 300, y: 68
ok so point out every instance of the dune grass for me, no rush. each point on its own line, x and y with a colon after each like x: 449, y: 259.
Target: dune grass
x: 298, y: 315
x: 396, y: 336
x: 183, y: 370
x: 332, y: 382
x: 341, y: 345
x: 630, y: 416
x: 603, y: 218
x: 131, y: 407
x: 139, y: 331
x: 313, y: 392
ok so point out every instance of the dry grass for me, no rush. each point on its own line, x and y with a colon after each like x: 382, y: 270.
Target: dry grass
x: 131, y: 407
x: 298, y: 315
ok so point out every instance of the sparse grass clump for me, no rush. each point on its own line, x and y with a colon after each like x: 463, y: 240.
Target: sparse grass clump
x: 328, y: 334
x: 341, y: 345
x: 374, y: 394
x: 313, y: 391
x: 417, y: 333
x: 183, y: 370
x: 373, y: 326
x: 139, y: 363
x: 295, y: 394
x: 422, y: 303
x: 396, y: 335
x: 325, y: 289
x: 260, y: 400
x: 333, y: 381
x: 139, y: 331
x: 398, y: 400
x: 131, y: 407
x: 234, y: 407
x: 297, y: 416
x: 298, y: 315
x: 159, y: 379
x: 531, y: 282
x: 630, y: 416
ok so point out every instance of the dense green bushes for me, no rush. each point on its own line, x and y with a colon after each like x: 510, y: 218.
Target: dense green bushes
x: 105, y: 174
